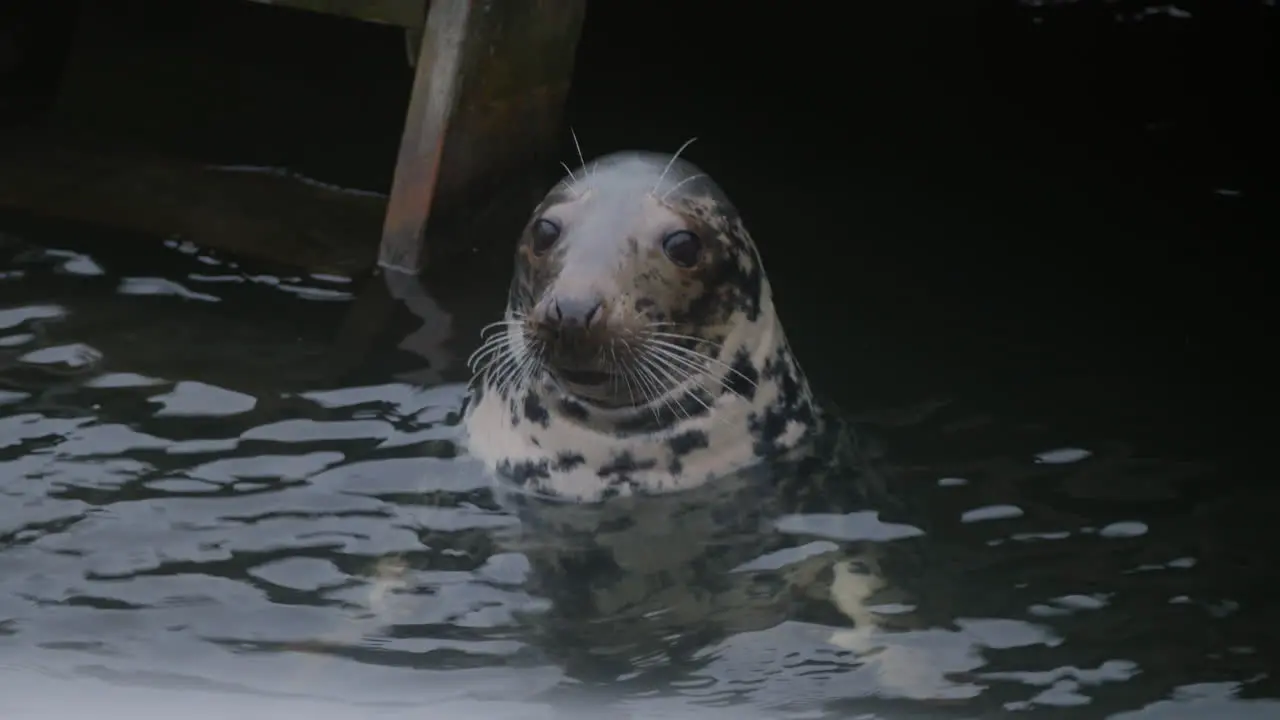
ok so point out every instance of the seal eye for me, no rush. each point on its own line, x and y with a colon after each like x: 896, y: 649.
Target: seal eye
x: 683, y: 247
x: 545, y: 232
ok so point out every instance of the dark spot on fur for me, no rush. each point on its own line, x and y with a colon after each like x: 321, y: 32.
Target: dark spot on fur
x: 640, y: 422
x: 618, y: 470
x: 644, y: 304
x: 523, y: 471
x: 567, y: 461
x: 778, y: 364
x: 793, y: 405
x: 682, y: 445
x: 687, y: 442
x: 574, y: 410
x: 647, y: 420
x: 749, y: 283
x: 727, y: 287
x: 534, y: 411
x: 623, y: 462
x: 767, y: 428
x: 743, y: 376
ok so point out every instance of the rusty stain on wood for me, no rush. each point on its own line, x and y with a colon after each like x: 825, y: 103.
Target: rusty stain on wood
x: 435, y: 85
x: 404, y: 13
x: 488, y: 90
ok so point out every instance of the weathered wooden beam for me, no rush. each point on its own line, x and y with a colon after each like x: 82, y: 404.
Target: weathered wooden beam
x: 404, y: 13
x: 488, y: 92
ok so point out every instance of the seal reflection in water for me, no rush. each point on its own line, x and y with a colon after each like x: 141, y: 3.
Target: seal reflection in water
x: 644, y: 411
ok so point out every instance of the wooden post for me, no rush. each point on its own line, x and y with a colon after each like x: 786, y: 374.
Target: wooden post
x: 488, y: 90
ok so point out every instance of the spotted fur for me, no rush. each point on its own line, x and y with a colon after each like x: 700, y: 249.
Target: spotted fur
x: 756, y: 407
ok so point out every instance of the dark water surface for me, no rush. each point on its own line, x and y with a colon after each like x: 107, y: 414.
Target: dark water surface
x: 225, y: 491
x: 211, y: 505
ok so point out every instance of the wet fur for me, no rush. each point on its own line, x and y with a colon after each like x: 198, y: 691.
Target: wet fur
x: 753, y: 405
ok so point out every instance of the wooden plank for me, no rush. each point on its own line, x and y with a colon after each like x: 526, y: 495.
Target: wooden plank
x: 488, y: 92
x: 403, y: 13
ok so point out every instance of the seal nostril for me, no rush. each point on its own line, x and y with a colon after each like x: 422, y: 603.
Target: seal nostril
x: 574, y: 314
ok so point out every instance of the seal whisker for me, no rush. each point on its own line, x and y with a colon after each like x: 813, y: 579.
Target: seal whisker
x: 671, y: 162
x: 653, y: 389
x: 616, y: 370
x: 672, y: 373
x: 652, y: 396
x: 480, y: 364
x: 702, y: 371
x: 476, y: 363
x: 488, y: 329
x: 515, y: 319
x: 677, y: 337
x: 503, y: 370
x: 694, y: 356
x: 488, y: 333
x: 532, y: 364
x: 683, y: 370
x: 686, y: 352
x: 489, y: 350
x: 687, y: 369
x: 489, y: 342
x: 491, y: 345
x: 644, y: 365
x: 569, y: 170
x: 578, y: 147
x: 571, y: 182
x: 677, y: 377
x: 675, y: 187
x: 514, y: 362
x: 497, y: 333
x: 647, y: 391
x: 523, y: 371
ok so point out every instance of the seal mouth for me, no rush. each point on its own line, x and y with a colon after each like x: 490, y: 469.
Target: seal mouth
x: 583, y: 377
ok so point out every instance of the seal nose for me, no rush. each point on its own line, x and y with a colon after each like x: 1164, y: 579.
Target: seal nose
x: 575, y: 314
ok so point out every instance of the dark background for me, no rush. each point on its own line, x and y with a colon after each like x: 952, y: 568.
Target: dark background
x: 981, y: 174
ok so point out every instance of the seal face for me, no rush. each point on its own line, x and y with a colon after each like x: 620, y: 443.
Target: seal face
x: 640, y: 351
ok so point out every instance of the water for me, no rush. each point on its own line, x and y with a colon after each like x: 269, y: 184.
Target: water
x: 217, y: 500
x: 233, y: 491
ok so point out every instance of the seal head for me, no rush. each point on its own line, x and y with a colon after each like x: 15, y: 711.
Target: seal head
x: 640, y: 351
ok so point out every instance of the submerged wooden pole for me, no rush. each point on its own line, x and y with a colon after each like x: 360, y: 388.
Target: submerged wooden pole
x: 489, y: 86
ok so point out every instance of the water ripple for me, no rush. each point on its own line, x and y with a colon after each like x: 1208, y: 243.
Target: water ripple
x: 230, y: 525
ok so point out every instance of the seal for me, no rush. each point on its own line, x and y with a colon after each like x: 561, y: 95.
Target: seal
x: 670, y: 467
x: 640, y: 351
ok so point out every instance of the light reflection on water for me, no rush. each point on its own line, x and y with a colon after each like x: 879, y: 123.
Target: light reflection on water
x: 202, y: 499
